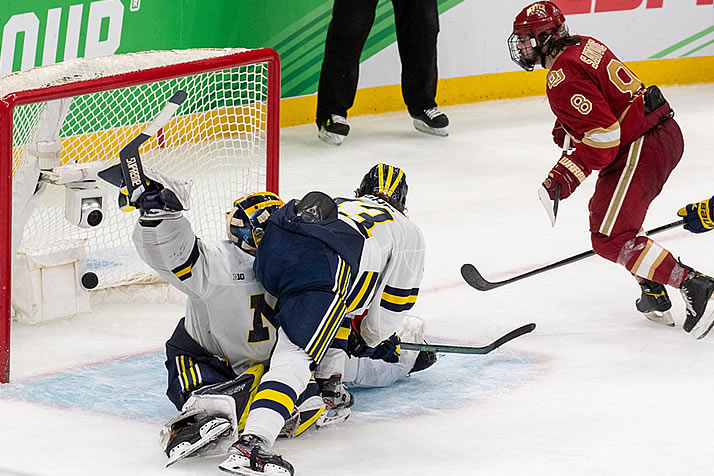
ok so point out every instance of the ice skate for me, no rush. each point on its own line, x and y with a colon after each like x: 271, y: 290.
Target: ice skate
x: 334, y: 130
x: 250, y: 456
x: 654, y: 303
x: 193, y: 435
x: 697, y: 291
x: 432, y: 121
x: 337, y: 399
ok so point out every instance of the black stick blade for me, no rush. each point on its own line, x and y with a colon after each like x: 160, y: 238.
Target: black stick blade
x: 464, y: 349
x: 474, y: 278
x: 512, y: 335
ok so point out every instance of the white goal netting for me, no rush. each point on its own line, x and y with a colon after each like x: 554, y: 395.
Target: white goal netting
x: 218, y: 138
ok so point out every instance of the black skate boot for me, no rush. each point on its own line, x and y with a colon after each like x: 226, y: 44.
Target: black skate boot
x: 431, y: 121
x: 654, y: 303
x: 333, y: 130
x: 191, y: 435
x: 250, y: 456
x: 337, y: 399
x: 697, y: 289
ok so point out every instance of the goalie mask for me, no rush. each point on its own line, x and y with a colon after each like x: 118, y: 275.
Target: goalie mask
x: 246, y: 222
x: 388, y: 182
x: 535, y: 31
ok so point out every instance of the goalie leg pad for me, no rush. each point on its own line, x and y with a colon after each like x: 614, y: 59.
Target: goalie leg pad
x: 211, y: 412
x: 188, y: 439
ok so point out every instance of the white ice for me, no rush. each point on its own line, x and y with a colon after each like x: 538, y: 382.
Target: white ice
x: 596, y: 389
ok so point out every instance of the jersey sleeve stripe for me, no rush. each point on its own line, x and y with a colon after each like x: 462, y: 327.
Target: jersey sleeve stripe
x: 362, y: 290
x: 398, y: 300
x: 603, y: 138
x: 183, y: 272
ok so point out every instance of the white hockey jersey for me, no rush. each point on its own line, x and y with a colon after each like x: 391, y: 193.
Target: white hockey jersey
x: 391, y: 265
x: 221, y: 287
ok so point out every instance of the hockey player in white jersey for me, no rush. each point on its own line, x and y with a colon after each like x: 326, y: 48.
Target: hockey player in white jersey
x: 217, y: 353
x: 326, y: 259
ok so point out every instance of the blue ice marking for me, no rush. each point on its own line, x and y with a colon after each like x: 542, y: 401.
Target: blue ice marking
x: 135, y: 387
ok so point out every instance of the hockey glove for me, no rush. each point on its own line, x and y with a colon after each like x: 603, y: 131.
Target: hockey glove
x: 568, y: 174
x: 388, y: 350
x: 559, y: 134
x: 699, y: 217
x: 158, y: 200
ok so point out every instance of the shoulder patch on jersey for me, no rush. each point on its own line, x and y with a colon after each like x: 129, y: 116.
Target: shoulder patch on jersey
x: 592, y: 53
x: 555, y: 78
x: 582, y: 104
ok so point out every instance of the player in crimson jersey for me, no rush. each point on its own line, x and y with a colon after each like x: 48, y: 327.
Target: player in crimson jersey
x: 627, y: 132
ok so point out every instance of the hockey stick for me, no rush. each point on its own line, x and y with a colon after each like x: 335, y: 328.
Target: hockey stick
x: 474, y: 278
x: 129, y: 161
x: 460, y: 349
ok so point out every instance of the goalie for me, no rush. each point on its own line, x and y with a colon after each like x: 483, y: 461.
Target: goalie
x: 220, y: 349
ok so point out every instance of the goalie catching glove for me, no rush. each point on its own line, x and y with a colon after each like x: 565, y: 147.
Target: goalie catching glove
x: 164, y: 197
x: 698, y: 217
x: 568, y: 174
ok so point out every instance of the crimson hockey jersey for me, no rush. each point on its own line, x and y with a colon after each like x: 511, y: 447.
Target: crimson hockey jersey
x: 598, y: 100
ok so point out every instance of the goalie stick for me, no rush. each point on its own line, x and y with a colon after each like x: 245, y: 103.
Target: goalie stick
x: 475, y: 280
x: 460, y: 349
x: 132, y: 171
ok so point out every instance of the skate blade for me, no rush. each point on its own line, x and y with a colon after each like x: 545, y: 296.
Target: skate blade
x: 421, y: 126
x: 234, y: 465
x: 705, y: 324
x: 211, y: 436
x: 664, y: 318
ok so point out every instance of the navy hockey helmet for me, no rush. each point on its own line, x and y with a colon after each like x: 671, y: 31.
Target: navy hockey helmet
x: 535, y: 31
x: 388, y: 182
x: 246, y: 222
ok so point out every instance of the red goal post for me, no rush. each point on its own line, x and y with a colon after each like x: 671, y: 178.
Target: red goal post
x: 232, y: 122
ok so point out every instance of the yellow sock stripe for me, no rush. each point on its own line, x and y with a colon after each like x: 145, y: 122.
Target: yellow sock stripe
x: 277, y: 397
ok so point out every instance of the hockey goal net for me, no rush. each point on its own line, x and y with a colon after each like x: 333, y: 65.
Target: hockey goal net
x: 81, y: 113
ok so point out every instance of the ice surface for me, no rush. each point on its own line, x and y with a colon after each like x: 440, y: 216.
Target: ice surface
x: 596, y: 389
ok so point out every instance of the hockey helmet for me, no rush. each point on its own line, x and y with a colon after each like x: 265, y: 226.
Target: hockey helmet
x: 535, y: 29
x: 388, y: 182
x: 246, y: 222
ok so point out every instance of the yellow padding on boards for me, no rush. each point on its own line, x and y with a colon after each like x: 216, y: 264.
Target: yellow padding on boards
x: 488, y: 87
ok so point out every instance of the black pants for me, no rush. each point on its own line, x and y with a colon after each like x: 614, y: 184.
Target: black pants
x: 417, y: 26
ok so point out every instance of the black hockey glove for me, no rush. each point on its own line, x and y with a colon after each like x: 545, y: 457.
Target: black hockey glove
x: 699, y: 217
x: 156, y: 197
x: 387, y: 350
